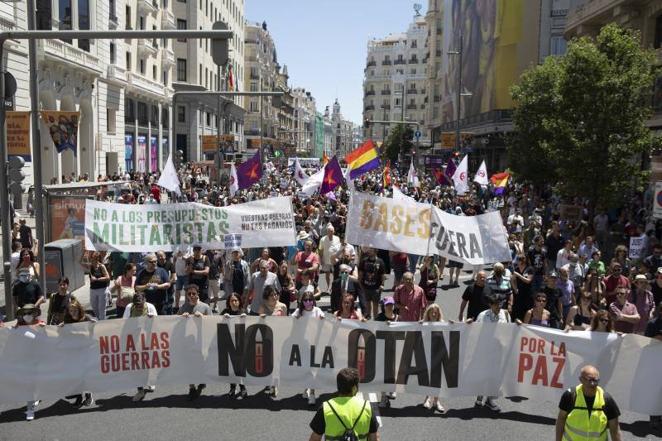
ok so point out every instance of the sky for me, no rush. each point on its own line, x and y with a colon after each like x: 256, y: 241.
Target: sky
x: 324, y: 42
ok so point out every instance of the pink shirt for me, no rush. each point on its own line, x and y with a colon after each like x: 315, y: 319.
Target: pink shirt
x: 627, y: 309
x: 415, y: 301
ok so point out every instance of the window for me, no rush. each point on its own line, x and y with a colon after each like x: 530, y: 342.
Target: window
x: 165, y: 77
x: 414, y: 44
x: 181, y: 114
x: 200, y: 75
x: 142, y: 113
x: 113, y: 55
x: 128, y: 17
x: 154, y: 115
x: 154, y: 72
x: 129, y: 111
x: 141, y: 23
x: 128, y: 60
x: 208, y: 119
x: 181, y: 69
x: 253, y: 86
x: 142, y: 67
x: 44, y: 14
x: 84, y: 22
x: 111, y: 124
x: 181, y: 24
x: 557, y: 45
x: 165, y: 117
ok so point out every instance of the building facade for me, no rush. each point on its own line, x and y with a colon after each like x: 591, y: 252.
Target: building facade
x: 395, y: 80
x: 304, y: 121
x: 343, y: 133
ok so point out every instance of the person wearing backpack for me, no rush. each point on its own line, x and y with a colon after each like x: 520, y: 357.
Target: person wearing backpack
x: 346, y: 417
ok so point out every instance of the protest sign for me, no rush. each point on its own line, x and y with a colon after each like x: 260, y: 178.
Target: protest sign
x: 657, y: 201
x: 404, y: 225
x: 637, y: 245
x: 168, y: 227
x: 428, y: 359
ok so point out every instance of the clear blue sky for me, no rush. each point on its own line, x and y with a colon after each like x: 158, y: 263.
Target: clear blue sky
x: 324, y: 42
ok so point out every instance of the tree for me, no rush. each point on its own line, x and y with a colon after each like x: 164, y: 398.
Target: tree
x: 398, y: 141
x: 580, y: 118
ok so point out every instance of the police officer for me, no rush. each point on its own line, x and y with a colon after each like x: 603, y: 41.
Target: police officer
x: 346, y: 416
x: 587, y: 411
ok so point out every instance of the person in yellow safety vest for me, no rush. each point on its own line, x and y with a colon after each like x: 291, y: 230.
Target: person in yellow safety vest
x: 347, y: 416
x: 587, y: 411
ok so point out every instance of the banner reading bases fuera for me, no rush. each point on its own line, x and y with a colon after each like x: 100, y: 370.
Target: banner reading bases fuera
x: 430, y: 358
x: 408, y: 226
x: 168, y: 227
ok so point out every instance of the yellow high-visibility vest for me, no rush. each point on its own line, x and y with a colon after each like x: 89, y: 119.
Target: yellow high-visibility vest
x: 582, y: 426
x: 348, y: 409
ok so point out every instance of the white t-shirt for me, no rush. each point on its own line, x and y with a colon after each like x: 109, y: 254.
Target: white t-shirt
x: 329, y: 247
x: 316, y: 312
x: 488, y: 316
x: 151, y: 310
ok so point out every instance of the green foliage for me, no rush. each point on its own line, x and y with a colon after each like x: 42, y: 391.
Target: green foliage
x: 398, y: 141
x: 580, y: 118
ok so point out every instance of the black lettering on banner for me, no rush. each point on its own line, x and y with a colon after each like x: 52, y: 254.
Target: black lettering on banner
x: 413, y: 347
x: 474, y: 247
x: 327, y: 357
x: 361, y: 347
x: 295, y: 356
x: 312, y: 357
x: 390, y: 337
x: 446, y: 359
x: 461, y: 245
x: 251, y: 352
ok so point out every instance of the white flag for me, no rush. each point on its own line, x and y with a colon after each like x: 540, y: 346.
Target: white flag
x: 313, y: 183
x: 412, y: 178
x: 481, y: 174
x: 398, y: 195
x: 300, y: 175
x: 349, y: 181
x: 169, y: 179
x: 234, y: 181
x: 460, y: 177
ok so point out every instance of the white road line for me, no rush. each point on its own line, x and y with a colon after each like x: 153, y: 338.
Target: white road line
x: 373, y: 399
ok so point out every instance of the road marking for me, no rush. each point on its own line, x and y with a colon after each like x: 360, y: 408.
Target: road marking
x: 375, y: 409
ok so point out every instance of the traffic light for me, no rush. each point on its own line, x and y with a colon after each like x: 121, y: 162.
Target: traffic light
x: 16, y: 177
x: 220, y: 46
x: 366, y: 123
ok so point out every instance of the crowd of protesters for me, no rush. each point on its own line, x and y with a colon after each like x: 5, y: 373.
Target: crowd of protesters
x: 567, y: 271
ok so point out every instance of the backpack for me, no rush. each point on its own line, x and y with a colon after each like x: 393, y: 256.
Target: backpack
x: 350, y: 434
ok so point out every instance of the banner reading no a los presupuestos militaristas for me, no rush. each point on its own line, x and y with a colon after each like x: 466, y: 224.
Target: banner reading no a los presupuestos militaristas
x: 168, y: 227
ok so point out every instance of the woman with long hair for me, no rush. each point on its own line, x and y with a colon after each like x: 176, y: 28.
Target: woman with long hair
x: 602, y: 322
x: 124, y: 288
x: 433, y: 313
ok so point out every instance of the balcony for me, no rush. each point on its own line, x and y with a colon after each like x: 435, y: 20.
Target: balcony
x: 167, y: 19
x: 369, y: 107
x: 372, y: 63
x: 386, y: 107
x: 413, y: 61
x: 144, y: 86
x: 412, y: 92
x: 412, y: 107
x: 386, y: 63
x: 167, y: 56
x: 399, y: 61
x: 147, y: 46
x: 386, y: 92
x: 596, y: 13
x: 113, y: 21
x: 116, y: 74
x: 68, y: 55
x: 369, y: 92
x: 148, y: 6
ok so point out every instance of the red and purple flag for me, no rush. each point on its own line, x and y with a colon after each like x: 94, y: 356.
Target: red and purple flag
x: 250, y: 172
x: 445, y: 178
x: 332, y: 176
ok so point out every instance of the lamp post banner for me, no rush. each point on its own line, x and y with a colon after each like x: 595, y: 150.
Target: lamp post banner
x: 169, y: 227
x: 405, y: 225
x: 428, y: 359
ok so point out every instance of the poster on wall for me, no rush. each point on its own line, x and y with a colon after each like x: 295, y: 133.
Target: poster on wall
x: 18, y: 134
x: 128, y: 153
x: 63, y: 127
x: 153, y: 154
x: 141, y: 154
x: 165, y: 150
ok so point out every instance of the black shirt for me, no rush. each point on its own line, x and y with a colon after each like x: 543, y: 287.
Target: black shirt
x: 654, y: 328
x: 537, y: 259
x: 319, y: 426
x: 476, y: 296
x: 26, y: 293
x: 611, y: 409
x: 371, y: 271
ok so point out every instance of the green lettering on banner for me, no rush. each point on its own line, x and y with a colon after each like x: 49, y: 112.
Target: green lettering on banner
x: 167, y: 234
x: 198, y: 231
x: 211, y: 232
x: 155, y: 236
x: 113, y: 216
x: 99, y: 236
x: 143, y: 239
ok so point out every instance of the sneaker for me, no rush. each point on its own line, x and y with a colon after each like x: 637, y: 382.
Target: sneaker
x: 29, y: 414
x: 273, y: 392
x: 201, y: 387
x: 427, y: 403
x: 440, y: 407
x: 306, y: 394
x: 384, y: 403
x: 242, y: 394
x: 149, y: 389
x: 311, y: 399
x: 88, y: 401
x: 140, y: 395
x: 233, y: 393
x: 79, y: 401
x: 490, y: 404
x: 479, y: 401
x: 392, y: 395
x: 36, y: 403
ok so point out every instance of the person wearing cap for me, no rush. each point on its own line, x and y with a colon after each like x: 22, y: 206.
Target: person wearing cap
x: 197, y: 267
x: 28, y: 315
x: 307, y: 259
x: 26, y: 290
x: 643, y: 300
x: 153, y: 282
x: 140, y: 308
x: 554, y: 302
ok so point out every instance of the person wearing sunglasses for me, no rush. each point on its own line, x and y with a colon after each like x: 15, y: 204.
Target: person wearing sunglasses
x: 538, y: 315
x: 624, y: 313
x: 587, y: 411
x: 602, y: 322
x: 194, y: 307
x: 307, y: 308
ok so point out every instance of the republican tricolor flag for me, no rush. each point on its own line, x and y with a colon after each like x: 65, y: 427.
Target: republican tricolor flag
x: 363, y: 159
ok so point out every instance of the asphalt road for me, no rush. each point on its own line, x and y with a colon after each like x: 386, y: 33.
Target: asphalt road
x: 167, y: 415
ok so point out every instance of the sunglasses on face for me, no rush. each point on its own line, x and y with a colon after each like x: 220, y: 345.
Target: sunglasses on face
x: 541, y: 300
x: 593, y: 381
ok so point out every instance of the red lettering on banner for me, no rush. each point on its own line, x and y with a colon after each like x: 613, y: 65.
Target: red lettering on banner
x: 540, y: 366
x: 139, y: 352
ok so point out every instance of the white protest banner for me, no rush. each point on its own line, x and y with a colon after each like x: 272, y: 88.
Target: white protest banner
x: 636, y: 248
x: 408, y: 226
x: 168, y: 227
x: 657, y: 201
x: 428, y: 359
x: 475, y: 240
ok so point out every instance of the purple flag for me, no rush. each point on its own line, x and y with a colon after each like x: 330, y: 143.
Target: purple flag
x: 332, y: 176
x: 250, y: 172
x: 448, y: 173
